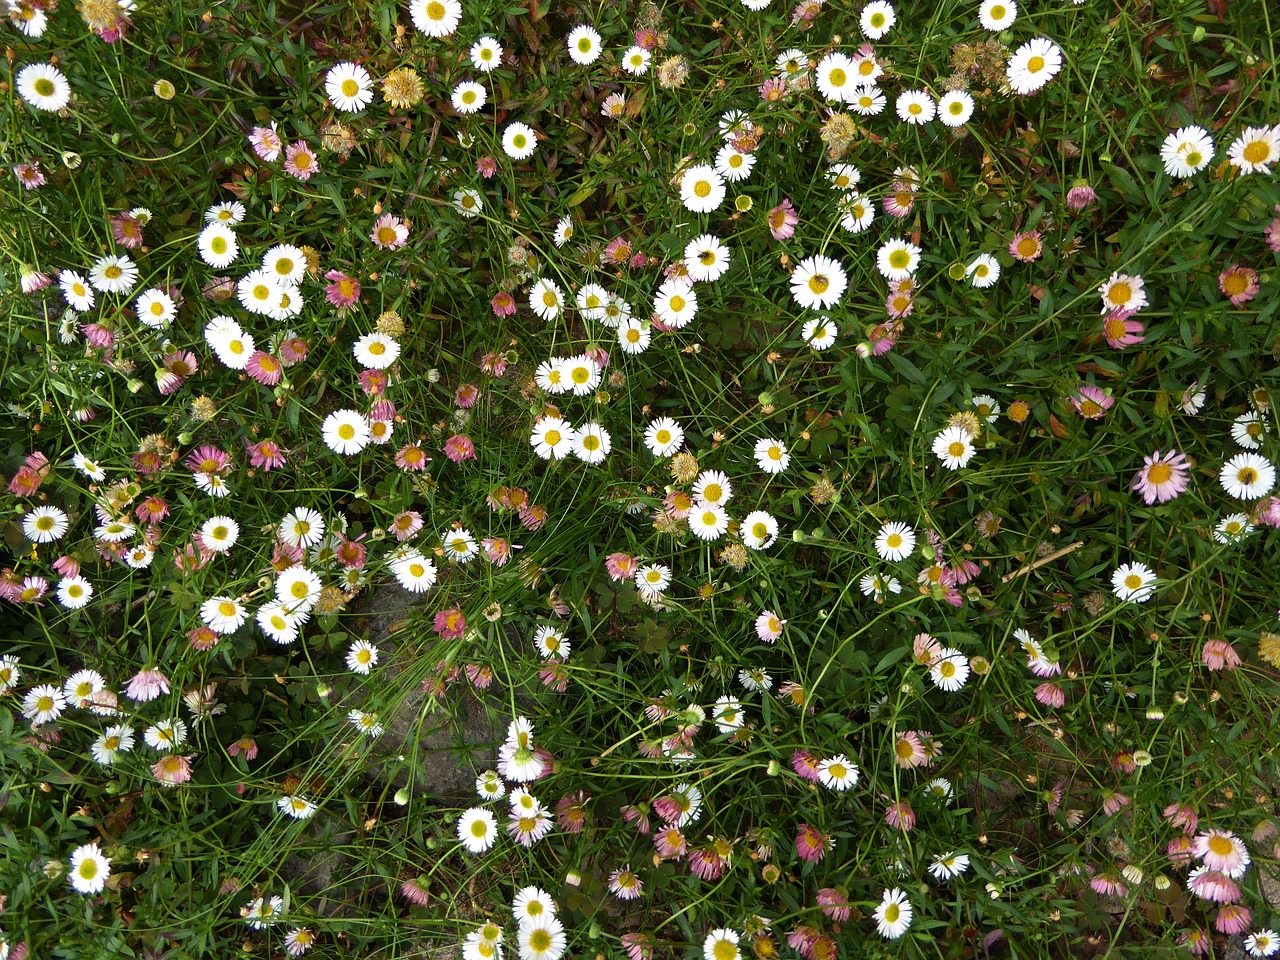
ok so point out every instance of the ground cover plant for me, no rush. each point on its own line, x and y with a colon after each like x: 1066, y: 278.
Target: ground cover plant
x: 639, y: 480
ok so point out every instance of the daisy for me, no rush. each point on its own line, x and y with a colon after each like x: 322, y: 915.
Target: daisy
x: 1247, y: 476
x: 564, y: 231
x: 546, y: 299
x: 299, y: 808
x: 223, y: 615
x: 43, y: 86
x: 486, y: 54
x: 553, y: 438
x: 75, y: 290
x: 663, y: 437
x: 653, y: 577
x: 115, y: 531
x: 1262, y: 943
x: 895, y: 541
x: 1248, y: 430
x: 460, y: 545
x: 43, y: 704
x: 1033, y: 65
x: 278, y: 622
x: 997, y: 15
x: 74, y: 592
x: 531, y: 905
x: 818, y: 332
x: 838, y: 773
x: 987, y: 408
x: 299, y: 588
x: 947, y: 866
x: 112, y: 742
x: 836, y: 77
x: 230, y: 212
x: 362, y: 657
x: 285, y: 263
x: 366, y: 723
x: 217, y: 245
x: 634, y: 336
x: 1134, y: 582
x: 867, y: 101
x: 876, y: 586
x: 375, y: 351
x: 592, y: 443
x: 89, y: 869
x: 542, y: 939
x: 550, y: 642
x: 346, y: 432
x: 701, y: 189
x: 436, y: 18
x: 893, y: 915
x: 818, y: 282
x: 219, y: 534
x: 984, y: 271
x: 258, y: 291
x: 708, y: 521
x: 349, y: 86
x: 950, y: 670
x: 1122, y: 292
x: 897, y: 259
x: 414, y: 572
x: 675, y: 303
x: 82, y: 688
x: 45, y: 524
x: 584, y: 44
x: 1232, y: 528
x: 712, y: 486
x: 299, y: 161
x: 956, y: 107
x: 732, y: 165
x: 636, y: 61
x: 1162, y: 477
x: 772, y: 456
x: 916, y: 106
x: 469, y: 97
x: 759, y: 530
x: 706, y: 258
x: 877, y: 19
x: 1186, y: 151
x: 1255, y: 150
x: 954, y: 447
x: 856, y: 212
x: 519, y: 141
x: 721, y: 944
x: 114, y: 274
x: 552, y: 376
x: 165, y: 735
x: 468, y: 202
x: 389, y: 233
x: 303, y: 527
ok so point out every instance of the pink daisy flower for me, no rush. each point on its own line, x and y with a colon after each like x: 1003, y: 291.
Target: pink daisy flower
x: 670, y: 843
x: 707, y: 864
x: 343, y: 291
x: 783, y: 220
x: 497, y: 549
x: 909, y: 751
x: 1218, y: 655
x: 466, y: 395
x: 1238, y: 284
x: 389, y: 233
x: 1108, y: 884
x: 293, y: 350
x: 412, y: 457
x: 266, y: 143
x: 811, y: 844
x: 264, y: 368
x: 126, y: 230
x: 1233, y: 920
x: 29, y: 175
x: 625, y: 884
x: 266, y: 455
x: 406, y: 524
x: 1091, y: 402
x: 834, y: 904
x: 1213, y: 885
x: 503, y: 304
x: 300, y: 162
x: 1026, y: 246
x: 1120, y: 331
x: 1051, y: 695
x: 1273, y: 233
x: 638, y: 946
x: 459, y: 448
x: 172, y: 770
x: 1223, y: 851
x: 486, y: 167
x: 1182, y: 816
x: 1162, y: 477
x: 146, y: 685
x: 769, y: 626
x: 451, y: 623
x: 621, y: 566
x: 900, y: 816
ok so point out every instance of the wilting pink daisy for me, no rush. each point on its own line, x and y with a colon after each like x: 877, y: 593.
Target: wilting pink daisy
x: 389, y: 233
x: 925, y: 650
x: 638, y: 946
x: 146, y: 685
x: 486, y: 167
x: 1162, y: 477
x: 834, y: 903
x: 264, y: 368
x: 900, y: 816
x: 1080, y: 195
x: 1182, y: 816
x: 342, y: 291
x: 300, y: 162
x: 782, y: 220
x: 497, y: 549
x: 618, y: 251
x: 352, y: 553
x: 33, y: 281
x: 415, y: 891
x: 805, y: 764
x: 620, y: 566
x: 246, y: 747
x: 127, y: 230
x: 1238, y: 284
x: 29, y: 175
x: 494, y: 364
x: 374, y: 382
x: 1108, y: 884
x: 406, y: 524
x: 459, y: 447
x: 625, y: 884
x: 1218, y: 655
x: 1051, y: 695
x: 293, y: 350
x: 480, y: 675
x: 466, y: 395
x: 909, y: 751
x: 670, y: 843
x: 811, y: 844
x: 769, y: 626
x: 707, y: 864
x: 1223, y: 851
x: 503, y: 304
x: 1120, y: 331
x: 883, y: 337
x: 1213, y: 885
x: 412, y: 457
x: 1233, y: 920
x: 1026, y: 246
x: 172, y: 770
x: 451, y: 623
x: 571, y: 813
x: 1197, y: 942
x: 1179, y: 851
x: 98, y: 335
x: 1113, y: 802
x: 1091, y: 402
x: 1273, y: 233
x: 266, y: 455
x: 774, y: 90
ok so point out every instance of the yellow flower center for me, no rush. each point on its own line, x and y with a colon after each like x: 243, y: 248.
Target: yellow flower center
x: 956, y: 449
x: 1035, y: 64
x: 227, y: 608
x: 1257, y: 152
x: 819, y: 283
x: 702, y: 188
x: 435, y: 10
x: 346, y: 431
x: 552, y: 437
x: 838, y: 77
x: 1159, y: 473
x: 1133, y: 581
x: 349, y: 87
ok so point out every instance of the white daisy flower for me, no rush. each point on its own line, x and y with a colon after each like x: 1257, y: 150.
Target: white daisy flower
x: 997, y: 15
x: 1186, y: 151
x: 1247, y: 476
x: 818, y: 282
x: 553, y: 438
x: 217, y: 245
x: 436, y: 18
x: 771, y: 455
x: 346, y: 432
x: 362, y: 657
x: 1033, y: 65
x: 349, y: 86
x: 759, y: 530
x: 895, y: 541
x: 584, y: 44
x: 486, y: 54
x: 663, y: 437
x: 955, y: 108
x: 701, y: 189
x: 916, y: 106
x: 897, y: 259
x: 546, y: 299
x: 1135, y: 582
x: 43, y: 86
x: 877, y: 19
x: 519, y: 141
